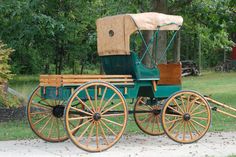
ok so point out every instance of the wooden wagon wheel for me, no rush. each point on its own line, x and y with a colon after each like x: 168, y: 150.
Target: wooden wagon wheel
x: 104, y: 117
x: 149, y: 121
x: 45, y: 117
x: 186, y: 116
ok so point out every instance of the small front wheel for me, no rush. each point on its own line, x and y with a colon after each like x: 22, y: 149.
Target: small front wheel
x: 147, y: 116
x: 186, y: 116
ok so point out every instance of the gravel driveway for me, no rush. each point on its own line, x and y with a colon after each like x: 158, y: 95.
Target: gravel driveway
x: 212, y: 144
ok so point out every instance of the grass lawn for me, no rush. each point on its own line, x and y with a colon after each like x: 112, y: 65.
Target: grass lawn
x: 221, y: 86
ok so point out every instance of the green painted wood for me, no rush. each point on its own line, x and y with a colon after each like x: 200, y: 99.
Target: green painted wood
x: 129, y: 65
x: 140, y: 88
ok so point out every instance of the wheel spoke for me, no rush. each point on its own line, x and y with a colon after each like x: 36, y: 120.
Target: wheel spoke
x: 113, y: 115
x: 39, y: 113
x: 144, y: 120
x: 79, y: 118
x: 111, y: 108
x: 35, y: 123
x: 85, y: 130
x: 83, y: 103
x: 75, y: 129
x: 193, y: 126
x: 183, y: 104
x: 101, y: 101
x: 204, y: 111
x: 175, y: 110
x: 89, y: 98
x: 192, y: 103
x: 149, y: 121
x: 42, y: 106
x: 153, y: 123
x: 96, y: 96
x: 195, y: 109
x: 171, y: 129
x: 142, y: 102
x: 201, y: 118
x: 90, y: 135
x: 184, y: 132
x: 50, y: 131
x: 58, y: 130
x: 109, y: 100
x: 198, y: 124
x: 173, y: 115
x: 97, y: 143
x: 109, y: 128
x: 112, y: 122
x: 42, y: 99
x: 142, y: 108
x: 79, y: 110
x: 172, y: 121
x: 190, y: 132
x: 44, y: 126
x: 103, y: 133
x: 158, y: 124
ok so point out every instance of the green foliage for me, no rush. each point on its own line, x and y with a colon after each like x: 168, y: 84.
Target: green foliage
x: 54, y: 36
x: 4, y: 59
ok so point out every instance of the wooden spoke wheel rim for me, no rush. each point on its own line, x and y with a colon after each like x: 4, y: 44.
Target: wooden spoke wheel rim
x: 186, y: 116
x: 150, y: 121
x: 104, y: 117
x: 45, y: 117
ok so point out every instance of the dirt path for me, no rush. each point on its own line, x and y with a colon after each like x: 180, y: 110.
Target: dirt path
x: 213, y: 144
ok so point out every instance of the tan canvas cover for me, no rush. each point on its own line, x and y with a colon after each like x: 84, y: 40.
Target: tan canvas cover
x: 113, y: 32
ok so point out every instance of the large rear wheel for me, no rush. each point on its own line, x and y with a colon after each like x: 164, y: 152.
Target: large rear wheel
x: 104, y: 116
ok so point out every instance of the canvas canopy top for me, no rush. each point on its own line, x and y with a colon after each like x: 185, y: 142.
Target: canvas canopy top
x: 113, y: 32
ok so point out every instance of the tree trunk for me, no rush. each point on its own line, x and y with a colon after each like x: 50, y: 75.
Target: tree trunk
x: 177, y: 48
x: 147, y: 58
x: 199, y: 54
x: 161, y: 7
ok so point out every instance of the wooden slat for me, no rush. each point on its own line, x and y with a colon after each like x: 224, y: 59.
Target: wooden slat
x: 96, y: 76
x: 68, y: 80
x: 86, y: 80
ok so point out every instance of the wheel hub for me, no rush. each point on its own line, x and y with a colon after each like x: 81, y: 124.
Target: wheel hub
x: 97, y: 116
x: 58, y: 111
x: 156, y: 112
x: 187, y: 117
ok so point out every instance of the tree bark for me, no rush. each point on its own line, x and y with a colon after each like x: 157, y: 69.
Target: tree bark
x: 161, y: 6
x: 177, y: 48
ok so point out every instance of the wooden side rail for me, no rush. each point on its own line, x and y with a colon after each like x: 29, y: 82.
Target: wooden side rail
x: 70, y: 80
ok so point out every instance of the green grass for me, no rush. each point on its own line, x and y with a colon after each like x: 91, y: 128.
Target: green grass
x: 15, y: 130
x: 221, y: 86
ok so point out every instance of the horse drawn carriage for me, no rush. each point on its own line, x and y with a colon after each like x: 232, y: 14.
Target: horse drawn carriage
x: 91, y: 110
